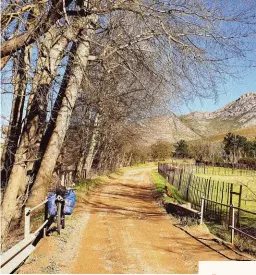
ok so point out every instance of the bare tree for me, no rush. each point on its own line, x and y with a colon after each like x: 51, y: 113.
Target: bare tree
x: 184, y: 47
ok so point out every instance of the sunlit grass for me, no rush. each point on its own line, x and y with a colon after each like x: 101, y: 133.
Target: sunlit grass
x: 160, y: 183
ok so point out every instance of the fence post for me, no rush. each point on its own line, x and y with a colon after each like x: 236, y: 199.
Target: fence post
x: 208, y: 187
x: 45, y: 219
x: 239, y: 205
x: 173, y: 178
x: 27, y: 222
x: 231, y: 194
x: 232, y: 210
x: 202, y: 211
x: 180, y: 179
x: 189, y: 183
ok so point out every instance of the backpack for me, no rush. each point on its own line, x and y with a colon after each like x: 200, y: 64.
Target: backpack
x: 52, y: 207
x: 70, y: 201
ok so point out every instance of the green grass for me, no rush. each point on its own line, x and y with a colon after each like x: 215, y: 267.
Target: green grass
x: 247, y: 221
x: 248, y: 202
x: 248, y: 191
x: 85, y: 185
x: 160, y: 183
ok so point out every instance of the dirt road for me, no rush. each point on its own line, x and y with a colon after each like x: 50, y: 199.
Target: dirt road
x: 126, y: 231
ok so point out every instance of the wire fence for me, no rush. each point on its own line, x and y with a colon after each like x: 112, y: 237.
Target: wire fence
x: 219, y: 197
x: 221, y: 169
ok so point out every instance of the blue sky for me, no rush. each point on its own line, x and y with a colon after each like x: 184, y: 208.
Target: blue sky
x: 233, y: 88
x: 231, y: 91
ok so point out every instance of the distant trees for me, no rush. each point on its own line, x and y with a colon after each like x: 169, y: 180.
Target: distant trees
x: 233, y: 148
x: 181, y: 149
x: 206, y: 151
x: 161, y: 150
x: 250, y: 148
x: 236, y: 147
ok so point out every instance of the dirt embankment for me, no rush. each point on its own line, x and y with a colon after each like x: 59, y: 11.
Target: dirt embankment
x: 120, y: 228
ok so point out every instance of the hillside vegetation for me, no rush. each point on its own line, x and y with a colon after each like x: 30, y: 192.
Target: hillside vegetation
x: 249, y: 132
x: 238, y: 117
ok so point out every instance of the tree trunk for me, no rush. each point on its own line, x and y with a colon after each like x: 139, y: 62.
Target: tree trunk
x: 129, y: 160
x: 14, y: 129
x: 36, y: 115
x: 84, y: 144
x: 72, y: 85
x: 92, y: 144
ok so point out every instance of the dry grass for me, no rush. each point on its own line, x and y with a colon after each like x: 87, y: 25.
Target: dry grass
x: 246, y: 132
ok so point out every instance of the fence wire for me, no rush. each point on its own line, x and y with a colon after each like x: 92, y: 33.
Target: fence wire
x: 219, y: 194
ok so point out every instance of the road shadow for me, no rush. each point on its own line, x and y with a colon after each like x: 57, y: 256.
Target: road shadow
x: 127, y: 200
x: 222, y: 249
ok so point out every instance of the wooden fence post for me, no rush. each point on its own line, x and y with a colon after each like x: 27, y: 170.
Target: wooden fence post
x: 208, y: 188
x: 231, y: 194
x: 232, y: 211
x: 239, y: 205
x: 180, y: 179
x: 173, y: 176
x: 27, y: 222
x: 202, y: 211
x: 189, y: 183
x: 45, y: 218
x: 207, y: 192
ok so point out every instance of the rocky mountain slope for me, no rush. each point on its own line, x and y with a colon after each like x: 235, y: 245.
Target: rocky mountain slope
x: 236, y: 115
x: 167, y: 128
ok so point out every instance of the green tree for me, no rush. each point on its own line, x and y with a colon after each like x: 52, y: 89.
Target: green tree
x: 181, y: 149
x: 161, y: 150
x: 250, y: 148
x: 234, y: 146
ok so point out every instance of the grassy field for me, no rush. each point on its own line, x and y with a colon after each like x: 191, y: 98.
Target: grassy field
x: 248, y: 202
x: 217, y: 218
x: 212, y: 170
x: 248, y: 191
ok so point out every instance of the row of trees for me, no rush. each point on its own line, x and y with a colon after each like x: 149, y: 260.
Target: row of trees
x: 237, y: 147
x: 232, y: 149
x: 112, y: 61
x: 162, y: 150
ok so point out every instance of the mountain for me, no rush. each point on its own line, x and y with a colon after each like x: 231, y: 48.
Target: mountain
x: 238, y: 116
x: 167, y: 128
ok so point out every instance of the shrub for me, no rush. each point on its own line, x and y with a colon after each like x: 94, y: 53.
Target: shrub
x: 250, y: 162
x: 161, y: 150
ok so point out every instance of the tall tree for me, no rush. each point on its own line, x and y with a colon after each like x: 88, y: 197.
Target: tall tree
x: 181, y: 149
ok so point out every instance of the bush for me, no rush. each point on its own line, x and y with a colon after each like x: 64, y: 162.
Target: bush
x: 250, y: 162
x: 161, y: 150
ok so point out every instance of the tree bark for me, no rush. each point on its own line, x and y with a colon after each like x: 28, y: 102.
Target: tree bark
x: 36, y: 114
x: 4, y: 61
x: 86, y: 163
x: 33, y: 33
x: 72, y: 84
x: 14, y: 129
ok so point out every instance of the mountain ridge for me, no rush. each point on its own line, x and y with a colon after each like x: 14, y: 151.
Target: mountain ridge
x: 238, y: 114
